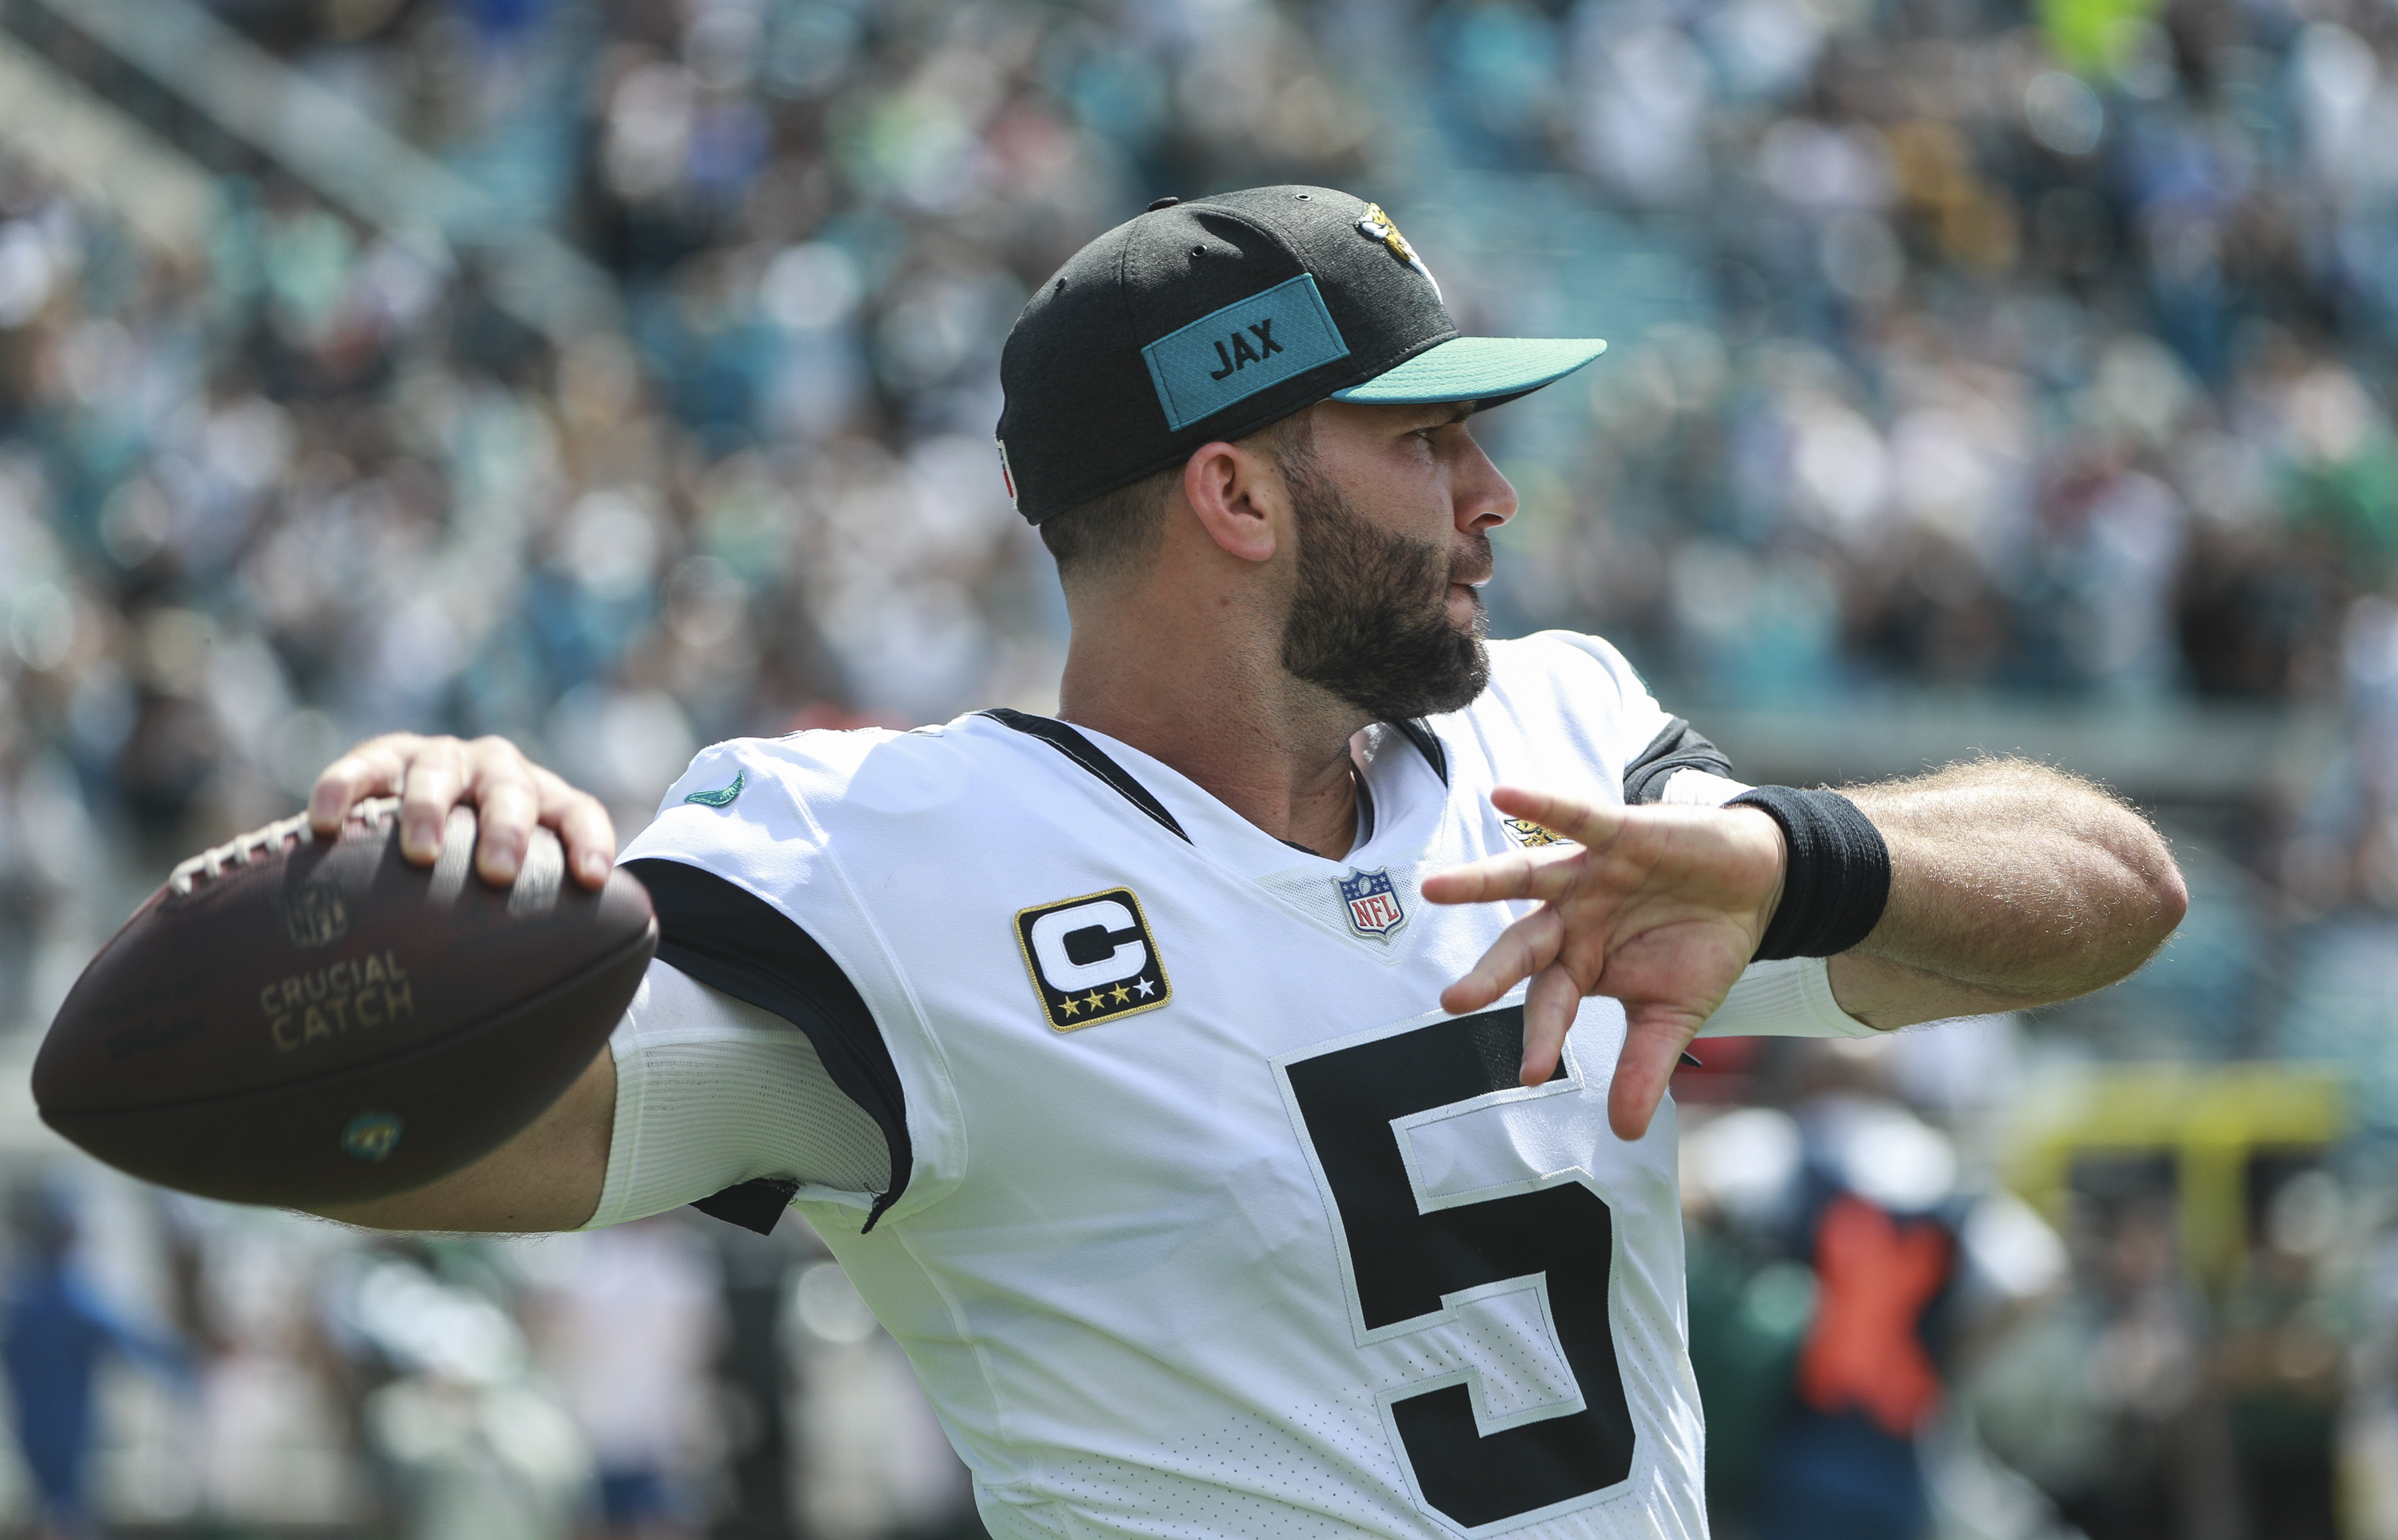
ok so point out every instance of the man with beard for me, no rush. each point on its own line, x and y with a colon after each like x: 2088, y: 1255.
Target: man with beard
x: 1186, y: 1080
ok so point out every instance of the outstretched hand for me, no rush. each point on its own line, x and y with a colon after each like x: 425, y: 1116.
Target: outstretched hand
x: 510, y: 794
x: 1659, y: 907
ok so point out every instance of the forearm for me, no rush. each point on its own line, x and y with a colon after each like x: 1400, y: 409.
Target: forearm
x: 546, y: 1178
x: 2012, y: 885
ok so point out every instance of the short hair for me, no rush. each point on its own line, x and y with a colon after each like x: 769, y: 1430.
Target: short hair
x: 1119, y: 532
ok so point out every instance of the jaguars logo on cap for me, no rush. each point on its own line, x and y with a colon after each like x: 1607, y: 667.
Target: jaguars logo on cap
x: 1378, y: 226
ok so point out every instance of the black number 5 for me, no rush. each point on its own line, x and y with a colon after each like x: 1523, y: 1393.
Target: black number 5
x: 1402, y: 1261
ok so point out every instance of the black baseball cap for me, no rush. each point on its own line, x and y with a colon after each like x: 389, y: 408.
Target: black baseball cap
x: 1210, y: 319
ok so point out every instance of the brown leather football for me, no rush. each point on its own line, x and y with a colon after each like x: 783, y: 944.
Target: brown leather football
x: 302, y: 1022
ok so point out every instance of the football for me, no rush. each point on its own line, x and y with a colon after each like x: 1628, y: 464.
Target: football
x: 302, y: 1022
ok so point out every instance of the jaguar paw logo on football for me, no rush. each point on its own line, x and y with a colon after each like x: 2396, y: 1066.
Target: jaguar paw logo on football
x: 371, y: 1136
x: 1091, y: 958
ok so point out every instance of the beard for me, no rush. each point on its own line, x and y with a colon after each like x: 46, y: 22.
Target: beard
x: 1370, y: 620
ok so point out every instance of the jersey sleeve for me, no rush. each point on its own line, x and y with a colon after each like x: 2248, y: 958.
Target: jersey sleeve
x: 721, y: 1103
x: 1791, y: 998
x: 752, y: 904
x: 1664, y: 758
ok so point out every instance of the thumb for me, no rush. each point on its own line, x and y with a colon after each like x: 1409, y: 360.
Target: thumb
x: 1654, y: 1036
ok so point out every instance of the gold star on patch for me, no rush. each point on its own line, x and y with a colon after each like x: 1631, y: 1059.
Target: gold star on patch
x: 1093, y: 959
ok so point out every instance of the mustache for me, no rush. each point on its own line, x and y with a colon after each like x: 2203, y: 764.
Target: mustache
x: 1475, y: 564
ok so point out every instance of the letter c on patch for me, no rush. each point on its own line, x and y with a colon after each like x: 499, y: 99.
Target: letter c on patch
x: 1125, y: 956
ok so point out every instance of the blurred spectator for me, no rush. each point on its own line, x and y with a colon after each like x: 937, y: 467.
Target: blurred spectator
x: 53, y: 1335
x: 1843, y: 1266
x: 2102, y: 1398
x: 627, y: 1328
x: 475, y: 1447
x: 2284, y: 1361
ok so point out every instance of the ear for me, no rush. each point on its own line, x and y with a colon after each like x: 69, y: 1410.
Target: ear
x: 1238, y: 497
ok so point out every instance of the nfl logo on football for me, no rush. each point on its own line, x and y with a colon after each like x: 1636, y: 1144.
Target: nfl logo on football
x: 1373, y: 904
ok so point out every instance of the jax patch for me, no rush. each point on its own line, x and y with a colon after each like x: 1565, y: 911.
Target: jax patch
x: 1091, y: 958
x: 1228, y: 356
x: 1373, y: 901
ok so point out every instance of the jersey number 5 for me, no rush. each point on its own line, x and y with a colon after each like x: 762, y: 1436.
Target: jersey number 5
x: 1403, y: 1259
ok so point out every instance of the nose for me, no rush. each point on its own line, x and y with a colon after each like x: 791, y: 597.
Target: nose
x: 1483, y: 498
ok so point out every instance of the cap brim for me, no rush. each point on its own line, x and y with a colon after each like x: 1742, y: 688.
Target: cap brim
x: 1475, y: 368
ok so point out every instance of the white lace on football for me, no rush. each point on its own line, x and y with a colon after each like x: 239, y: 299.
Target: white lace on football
x: 242, y: 850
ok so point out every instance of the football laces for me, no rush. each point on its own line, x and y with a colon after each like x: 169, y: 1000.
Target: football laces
x: 242, y: 850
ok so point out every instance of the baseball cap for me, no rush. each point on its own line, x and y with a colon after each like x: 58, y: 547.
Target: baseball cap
x: 1212, y: 318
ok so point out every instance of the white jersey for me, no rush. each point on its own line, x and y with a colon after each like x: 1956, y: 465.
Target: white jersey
x: 1202, y: 1221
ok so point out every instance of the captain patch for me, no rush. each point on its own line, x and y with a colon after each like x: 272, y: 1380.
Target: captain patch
x: 1091, y: 958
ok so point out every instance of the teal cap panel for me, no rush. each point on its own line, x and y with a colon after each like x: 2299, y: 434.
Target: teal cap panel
x: 1475, y: 368
x: 1229, y: 355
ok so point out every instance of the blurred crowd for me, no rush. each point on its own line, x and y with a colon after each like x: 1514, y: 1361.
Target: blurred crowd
x: 1892, y: 1343
x: 1902, y: 1329
x: 189, y: 1367
x: 2047, y: 351
x: 2032, y: 350
x: 2024, y: 350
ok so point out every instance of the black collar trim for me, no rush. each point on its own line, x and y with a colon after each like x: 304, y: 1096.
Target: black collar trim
x: 1427, y: 743
x: 1081, y: 750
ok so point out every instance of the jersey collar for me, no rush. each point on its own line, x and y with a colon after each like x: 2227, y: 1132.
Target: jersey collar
x: 1393, y: 784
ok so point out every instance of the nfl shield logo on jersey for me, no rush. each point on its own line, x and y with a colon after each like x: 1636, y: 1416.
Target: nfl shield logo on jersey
x: 1373, y: 902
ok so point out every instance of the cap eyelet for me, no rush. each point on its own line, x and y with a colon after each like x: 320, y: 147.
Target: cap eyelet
x: 1302, y: 197
x: 1198, y: 250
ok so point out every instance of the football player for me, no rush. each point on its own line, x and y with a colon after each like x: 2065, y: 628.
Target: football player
x: 1243, y: 1095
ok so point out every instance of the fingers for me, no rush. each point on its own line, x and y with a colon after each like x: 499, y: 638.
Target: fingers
x: 1585, y: 823
x: 583, y: 824
x: 373, y: 769
x: 1549, y: 1009
x: 1546, y: 874
x: 1522, y: 950
x: 1654, y: 1036
x: 507, y: 808
x: 511, y: 797
x: 514, y: 796
x: 438, y: 777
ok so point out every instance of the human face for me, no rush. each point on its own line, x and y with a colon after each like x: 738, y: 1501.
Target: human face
x: 1392, y: 507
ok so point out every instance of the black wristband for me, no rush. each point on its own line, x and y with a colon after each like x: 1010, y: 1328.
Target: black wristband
x: 1839, y: 875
